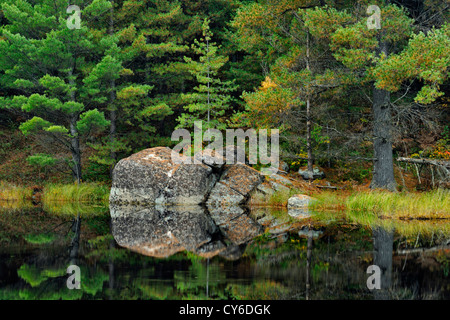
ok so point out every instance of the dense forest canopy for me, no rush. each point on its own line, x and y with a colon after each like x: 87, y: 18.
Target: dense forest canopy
x: 338, y: 90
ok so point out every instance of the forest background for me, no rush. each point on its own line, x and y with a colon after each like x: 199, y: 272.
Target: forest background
x: 347, y: 99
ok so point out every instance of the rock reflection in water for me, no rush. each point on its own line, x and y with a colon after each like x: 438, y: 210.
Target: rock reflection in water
x: 161, y: 231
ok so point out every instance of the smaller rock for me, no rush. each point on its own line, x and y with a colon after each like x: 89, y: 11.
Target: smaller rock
x: 234, y: 224
x: 223, y: 195
x: 307, y: 175
x: 235, y: 185
x: 300, y: 201
x: 279, y: 229
x: 261, y: 195
x: 284, y: 166
x: 257, y: 198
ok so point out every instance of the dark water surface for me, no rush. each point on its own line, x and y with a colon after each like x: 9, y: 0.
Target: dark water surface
x: 231, y: 253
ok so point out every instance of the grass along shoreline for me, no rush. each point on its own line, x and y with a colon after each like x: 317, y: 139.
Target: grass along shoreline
x: 85, y: 192
x: 12, y: 192
x: 433, y: 204
x: 401, y: 205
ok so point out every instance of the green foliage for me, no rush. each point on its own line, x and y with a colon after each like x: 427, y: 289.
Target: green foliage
x: 96, y: 171
x: 71, y: 208
x: 35, y: 277
x: 31, y: 275
x: 41, y: 160
x: 280, y: 197
x: 34, y: 124
x: 145, y: 67
x: 425, y: 58
x: 211, y: 97
x: 92, y: 120
x: 54, y: 67
x: 43, y: 288
x: 41, y: 238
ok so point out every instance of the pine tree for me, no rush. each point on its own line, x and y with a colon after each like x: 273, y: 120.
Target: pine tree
x: 211, y: 98
x: 156, y: 36
x: 302, y: 76
x: 48, y: 62
x: 361, y: 49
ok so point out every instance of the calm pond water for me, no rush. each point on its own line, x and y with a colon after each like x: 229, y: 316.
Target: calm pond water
x: 231, y: 253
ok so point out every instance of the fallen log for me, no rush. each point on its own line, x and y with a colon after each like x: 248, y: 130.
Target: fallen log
x: 327, y: 187
x: 442, y: 163
x: 422, y: 250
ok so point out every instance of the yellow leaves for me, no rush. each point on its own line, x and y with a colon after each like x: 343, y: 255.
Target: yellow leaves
x: 267, y: 84
x: 266, y: 105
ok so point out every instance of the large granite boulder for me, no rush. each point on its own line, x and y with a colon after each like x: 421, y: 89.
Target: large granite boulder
x: 229, y: 155
x: 211, y: 158
x: 151, y: 177
x: 274, y: 183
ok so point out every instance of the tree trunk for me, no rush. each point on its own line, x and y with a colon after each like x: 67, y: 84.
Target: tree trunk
x: 308, y: 117
x: 308, y: 137
x: 75, y: 149
x: 112, y: 128
x: 383, y: 169
x: 74, y: 138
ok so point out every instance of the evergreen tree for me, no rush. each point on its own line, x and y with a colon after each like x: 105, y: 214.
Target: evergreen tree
x: 211, y: 98
x: 48, y: 62
x: 156, y: 36
x: 302, y: 79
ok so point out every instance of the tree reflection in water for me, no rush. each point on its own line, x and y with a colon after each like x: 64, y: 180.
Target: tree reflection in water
x: 383, y: 243
x: 167, y: 253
